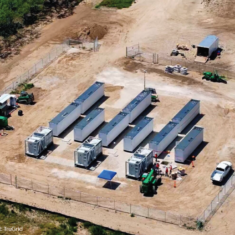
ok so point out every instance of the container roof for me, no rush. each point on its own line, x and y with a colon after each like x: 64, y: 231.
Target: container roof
x: 185, y: 110
x: 142, y: 152
x: 5, y: 97
x: 184, y: 143
x: 208, y: 41
x: 140, y: 126
x: 88, y: 92
x: 133, y: 104
x: 164, y: 132
x: 118, y: 118
x: 69, y: 109
x: 91, y: 116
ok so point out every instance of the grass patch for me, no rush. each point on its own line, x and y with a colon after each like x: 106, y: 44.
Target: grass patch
x: 22, y: 87
x: 115, y: 3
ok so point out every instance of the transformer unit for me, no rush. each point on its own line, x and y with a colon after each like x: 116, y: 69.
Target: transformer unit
x: 138, y: 105
x: 38, y: 141
x: 90, y: 96
x: 188, y: 144
x: 88, y: 152
x: 140, y: 162
x: 164, y: 137
x: 138, y: 134
x: 110, y: 131
x: 65, y: 118
x: 187, y: 114
x: 84, y: 128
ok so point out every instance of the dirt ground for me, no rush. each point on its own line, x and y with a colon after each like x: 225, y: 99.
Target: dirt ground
x: 149, y: 23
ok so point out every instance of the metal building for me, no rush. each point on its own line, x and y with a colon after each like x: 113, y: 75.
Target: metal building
x: 111, y: 130
x: 138, y: 134
x: 88, y: 124
x: 209, y: 45
x: 140, y: 162
x: 90, y: 96
x: 88, y: 152
x: 138, y: 105
x: 187, y: 114
x: 188, y: 144
x: 38, y: 141
x: 65, y: 118
x: 164, y: 138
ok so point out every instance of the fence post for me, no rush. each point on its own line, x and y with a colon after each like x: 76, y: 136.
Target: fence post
x: 16, y: 181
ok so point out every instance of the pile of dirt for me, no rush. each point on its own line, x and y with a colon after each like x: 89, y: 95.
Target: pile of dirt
x: 92, y: 31
x: 221, y: 8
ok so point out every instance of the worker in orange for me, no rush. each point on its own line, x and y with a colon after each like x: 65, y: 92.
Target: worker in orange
x: 155, y: 155
x: 157, y: 165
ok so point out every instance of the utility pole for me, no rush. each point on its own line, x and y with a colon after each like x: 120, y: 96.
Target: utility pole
x: 145, y: 71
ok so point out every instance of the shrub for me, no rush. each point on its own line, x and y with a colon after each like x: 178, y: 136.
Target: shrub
x: 4, y: 210
x: 72, y: 222
x: 97, y: 230
x: 116, y: 3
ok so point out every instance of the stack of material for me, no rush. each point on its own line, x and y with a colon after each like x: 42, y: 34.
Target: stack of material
x: 177, y: 68
x: 184, y: 71
x: 169, y: 69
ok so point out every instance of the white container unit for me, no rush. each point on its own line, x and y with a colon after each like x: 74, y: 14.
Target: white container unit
x: 187, y: 114
x: 38, y: 141
x: 90, y: 96
x: 111, y: 130
x: 88, y: 152
x: 164, y: 138
x: 138, y: 134
x: 140, y: 162
x: 188, y: 144
x: 88, y: 124
x: 209, y: 45
x: 65, y: 118
x: 138, y: 105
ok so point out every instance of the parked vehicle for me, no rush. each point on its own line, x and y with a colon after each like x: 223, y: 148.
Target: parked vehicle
x: 221, y: 171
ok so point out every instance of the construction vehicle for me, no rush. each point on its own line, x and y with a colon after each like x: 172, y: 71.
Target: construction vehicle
x: 25, y: 97
x: 214, y: 77
x: 149, y: 183
x: 154, y: 96
x: 4, y: 123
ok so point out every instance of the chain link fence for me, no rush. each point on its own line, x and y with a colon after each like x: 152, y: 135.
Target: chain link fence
x: 136, y: 53
x: 109, y: 203
x: 218, y: 200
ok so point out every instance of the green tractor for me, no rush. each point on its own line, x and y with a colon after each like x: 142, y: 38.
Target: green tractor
x: 4, y: 124
x: 154, y: 96
x: 25, y: 97
x: 214, y: 77
x: 149, y: 183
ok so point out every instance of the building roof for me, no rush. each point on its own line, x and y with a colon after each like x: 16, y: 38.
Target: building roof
x: 185, y: 110
x: 91, y: 116
x: 185, y: 142
x: 137, y: 129
x: 208, y: 41
x: 5, y: 97
x: 132, y: 105
x: 118, y: 118
x: 69, y: 109
x: 88, y: 92
x: 164, y: 132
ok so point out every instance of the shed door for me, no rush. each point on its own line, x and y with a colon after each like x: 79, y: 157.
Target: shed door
x: 201, y: 51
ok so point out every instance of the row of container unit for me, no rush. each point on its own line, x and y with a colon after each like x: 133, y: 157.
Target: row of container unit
x: 72, y: 112
x: 188, y: 144
x: 138, y: 105
x: 38, y: 141
x: 140, y: 162
x: 176, y: 126
x: 88, y: 124
x: 89, y: 151
x: 138, y: 134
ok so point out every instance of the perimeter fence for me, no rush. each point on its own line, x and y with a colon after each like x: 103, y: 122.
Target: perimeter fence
x: 57, y: 51
x: 136, y: 53
x: 67, y: 193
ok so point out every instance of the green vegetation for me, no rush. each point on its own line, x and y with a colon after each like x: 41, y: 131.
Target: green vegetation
x: 22, y: 87
x: 116, y: 3
x: 40, y: 222
x: 15, y: 14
